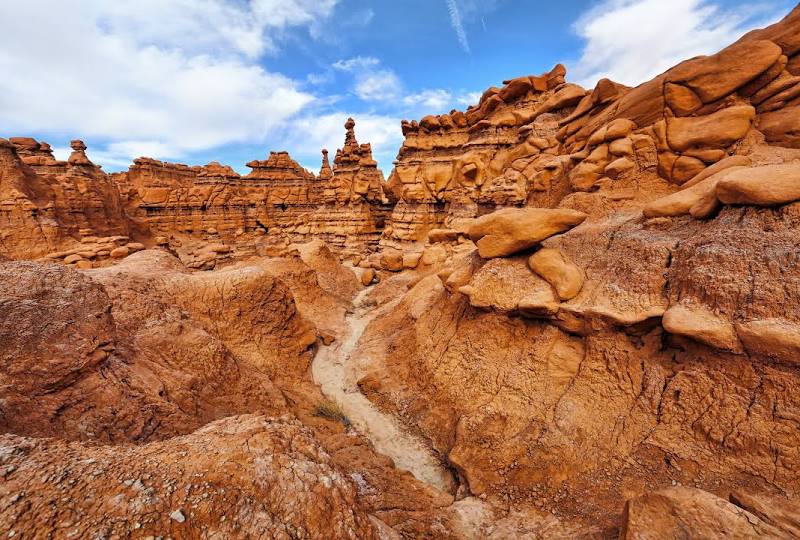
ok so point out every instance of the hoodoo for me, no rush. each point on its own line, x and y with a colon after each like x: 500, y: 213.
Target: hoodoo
x: 567, y: 313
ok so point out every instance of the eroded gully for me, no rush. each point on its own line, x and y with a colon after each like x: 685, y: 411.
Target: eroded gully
x: 336, y: 370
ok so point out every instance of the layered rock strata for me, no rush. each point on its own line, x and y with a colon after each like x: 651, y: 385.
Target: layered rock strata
x: 46, y: 204
x: 279, y: 202
x: 537, y: 139
x: 630, y: 333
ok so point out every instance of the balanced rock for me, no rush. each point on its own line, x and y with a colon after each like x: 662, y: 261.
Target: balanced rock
x: 512, y: 230
x: 78, y: 156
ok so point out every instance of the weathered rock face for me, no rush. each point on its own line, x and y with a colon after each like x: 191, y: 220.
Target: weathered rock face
x: 587, y: 400
x: 537, y: 139
x: 607, y: 309
x: 46, y: 205
x: 234, y: 478
x: 278, y: 203
x: 499, y: 153
x: 655, y: 343
x: 142, y: 350
x: 677, y: 512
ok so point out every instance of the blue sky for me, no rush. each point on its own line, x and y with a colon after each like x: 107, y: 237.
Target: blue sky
x: 229, y: 80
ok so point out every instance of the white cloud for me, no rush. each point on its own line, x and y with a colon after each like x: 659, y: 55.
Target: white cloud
x: 631, y: 41
x: 458, y: 26
x: 436, y: 99
x: 371, y: 81
x: 167, y: 77
x: 378, y: 85
x: 356, y: 63
x: 470, y: 98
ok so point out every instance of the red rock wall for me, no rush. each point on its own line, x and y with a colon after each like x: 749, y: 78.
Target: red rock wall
x: 46, y: 204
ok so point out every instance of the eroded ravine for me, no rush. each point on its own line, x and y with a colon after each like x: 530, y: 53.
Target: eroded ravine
x: 335, y: 370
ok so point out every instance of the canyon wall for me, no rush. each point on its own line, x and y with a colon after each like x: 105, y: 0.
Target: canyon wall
x: 45, y: 203
x: 634, y: 327
x: 574, y: 298
x: 278, y: 203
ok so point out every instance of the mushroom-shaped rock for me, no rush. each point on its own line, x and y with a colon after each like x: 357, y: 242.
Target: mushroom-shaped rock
x: 78, y: 156
x: 555, y: 268
x: 761, y: 186
x: 512, y: 230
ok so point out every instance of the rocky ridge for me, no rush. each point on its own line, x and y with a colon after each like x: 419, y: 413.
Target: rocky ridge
x: 575, y: 299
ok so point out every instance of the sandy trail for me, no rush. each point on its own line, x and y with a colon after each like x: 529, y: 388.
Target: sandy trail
x: 336, y: 370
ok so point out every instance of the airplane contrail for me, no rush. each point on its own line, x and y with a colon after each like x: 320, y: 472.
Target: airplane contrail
x: 455, y: 21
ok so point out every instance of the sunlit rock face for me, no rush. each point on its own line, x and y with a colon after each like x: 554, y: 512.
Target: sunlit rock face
x: 45, y: 203
x: 568, y: 313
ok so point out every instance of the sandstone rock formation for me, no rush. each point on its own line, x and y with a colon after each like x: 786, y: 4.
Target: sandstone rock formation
x: 562, y: 300
x: 278, y: 203
x: 47, y: 205
x: 676, y: 512
x: 234, y: 478
x: 509, y: 231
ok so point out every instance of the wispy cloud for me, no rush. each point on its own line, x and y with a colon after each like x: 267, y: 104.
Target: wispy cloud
x: 356, y: 63
x: 458, y: 26
x: 631, y: 41
x: 436, y: 101
x: 372, y: 81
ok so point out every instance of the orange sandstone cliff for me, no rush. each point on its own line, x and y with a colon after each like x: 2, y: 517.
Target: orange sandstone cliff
x: 568, y: 313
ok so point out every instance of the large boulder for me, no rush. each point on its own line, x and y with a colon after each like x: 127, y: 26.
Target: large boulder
x: 512, y: 230
x: 761, y: 186
x: 712, y: 77
x: 781, y: 127
x: 699, y: 200
x: 717, y: 130
x: 701, y: 324
x: 560, y: 272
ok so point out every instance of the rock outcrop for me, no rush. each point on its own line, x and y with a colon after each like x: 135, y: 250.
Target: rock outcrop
x: 47, y: 205
x: 235, y: 478
x: 499, y: 153
x: 563, y: 299
x: 277, y: 204
x: 676, y: 512
x: 142, y: 350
